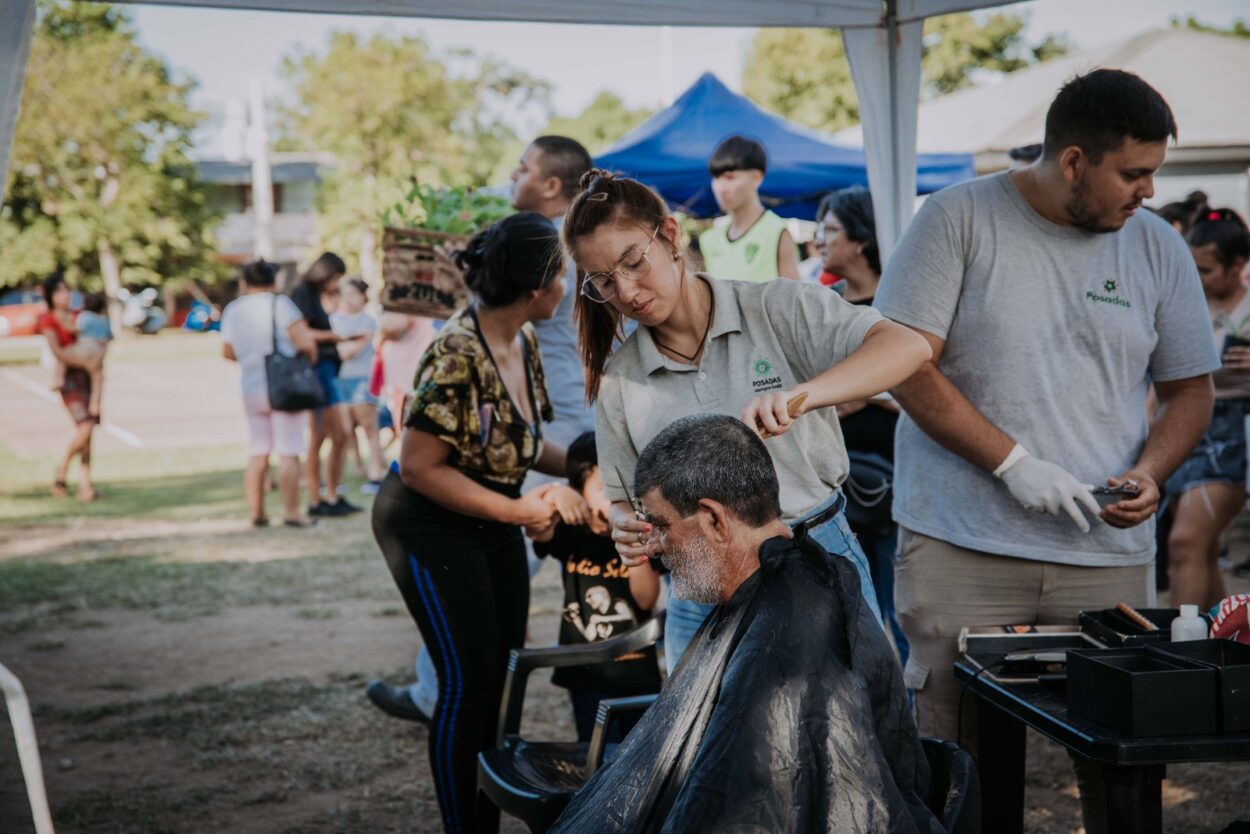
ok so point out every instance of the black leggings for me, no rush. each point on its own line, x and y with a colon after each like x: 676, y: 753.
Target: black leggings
x: 466, y: 584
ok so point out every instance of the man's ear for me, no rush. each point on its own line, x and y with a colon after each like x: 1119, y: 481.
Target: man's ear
x: 1073, y: 162
x: 551, y: 188
x: 715, y: 521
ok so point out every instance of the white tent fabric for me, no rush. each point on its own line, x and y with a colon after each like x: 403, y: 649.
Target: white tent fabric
x: 17, y: 21
x: 882, y: 41
x: 885, y: 64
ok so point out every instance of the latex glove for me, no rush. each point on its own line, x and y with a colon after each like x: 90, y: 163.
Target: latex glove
x: 1044, y: 487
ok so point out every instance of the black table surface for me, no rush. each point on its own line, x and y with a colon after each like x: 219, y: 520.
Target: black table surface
x: 1045, y: 709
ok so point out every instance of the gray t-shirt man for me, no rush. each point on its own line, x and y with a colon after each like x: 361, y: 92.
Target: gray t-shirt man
x: 1054, y: 334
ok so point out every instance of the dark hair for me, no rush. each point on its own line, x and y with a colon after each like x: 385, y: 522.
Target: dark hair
x: 94, y: 302
x: 580, y: 459
x: 360, y: 285
x: 49, y: 285
x: 1026, y: 153
x: 326, y: 267
x: 258, y: 273
x: 1097, y: 111
x: 853, y: 208
x: 738, y: 153
x: 504, y: 261
x: 1226, y: 230
x: 1185, y: 211
x: 604, y: 199
x: 711, y: 456
x: 565, y: 159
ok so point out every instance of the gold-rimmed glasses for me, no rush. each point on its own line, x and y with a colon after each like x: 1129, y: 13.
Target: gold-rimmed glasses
x: 600, y: 287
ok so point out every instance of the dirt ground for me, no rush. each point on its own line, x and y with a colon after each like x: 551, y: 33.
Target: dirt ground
x: 191, y: 674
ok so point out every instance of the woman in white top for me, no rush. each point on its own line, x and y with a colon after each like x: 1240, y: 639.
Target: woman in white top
x: 254, y: 325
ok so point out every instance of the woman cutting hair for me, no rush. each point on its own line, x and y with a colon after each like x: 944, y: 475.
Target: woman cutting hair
x: 707, y: 345
x: 448, y: 516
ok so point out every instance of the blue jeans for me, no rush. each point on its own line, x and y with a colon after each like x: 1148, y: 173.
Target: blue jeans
x: 881, y: 546
x: 834, y: 535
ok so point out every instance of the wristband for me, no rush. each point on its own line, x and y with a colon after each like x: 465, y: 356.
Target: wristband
x: 1017, y: 452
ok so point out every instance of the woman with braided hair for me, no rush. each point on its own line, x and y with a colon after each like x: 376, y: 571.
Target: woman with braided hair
x: 448, y: 516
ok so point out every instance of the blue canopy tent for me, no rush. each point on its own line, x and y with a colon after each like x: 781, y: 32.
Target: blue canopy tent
x: 669, y: 152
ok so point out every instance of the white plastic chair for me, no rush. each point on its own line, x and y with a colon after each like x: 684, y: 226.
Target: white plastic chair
x: 27, y: 749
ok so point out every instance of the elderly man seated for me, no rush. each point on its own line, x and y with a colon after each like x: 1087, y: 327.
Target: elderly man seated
x: 787, y: 713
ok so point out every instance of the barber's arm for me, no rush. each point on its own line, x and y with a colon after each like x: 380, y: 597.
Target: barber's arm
x: 889, y: 354
x: 1182, y: 416
x: 946, y: 415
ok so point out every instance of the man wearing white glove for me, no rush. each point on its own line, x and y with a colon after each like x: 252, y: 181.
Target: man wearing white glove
x: 1051, y: 304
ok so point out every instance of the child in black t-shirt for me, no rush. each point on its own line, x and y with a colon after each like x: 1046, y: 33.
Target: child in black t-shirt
x: 602, y: 597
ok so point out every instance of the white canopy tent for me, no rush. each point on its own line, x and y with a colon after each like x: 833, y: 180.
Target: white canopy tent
x: 882, y: 37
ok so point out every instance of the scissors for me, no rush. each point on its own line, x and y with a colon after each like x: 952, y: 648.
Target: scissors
x: 656, y: 564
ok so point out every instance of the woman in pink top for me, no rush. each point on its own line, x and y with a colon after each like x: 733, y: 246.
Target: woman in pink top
x: 404, y: 339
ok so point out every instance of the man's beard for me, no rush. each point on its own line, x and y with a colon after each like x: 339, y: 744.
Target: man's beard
x: 1082, y: 213
x: 694, y: 572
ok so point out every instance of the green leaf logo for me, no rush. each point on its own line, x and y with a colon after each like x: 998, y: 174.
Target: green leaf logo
x: 762, y: 367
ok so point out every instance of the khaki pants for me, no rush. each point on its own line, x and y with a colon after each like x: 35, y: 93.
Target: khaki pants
x: 940, y: 588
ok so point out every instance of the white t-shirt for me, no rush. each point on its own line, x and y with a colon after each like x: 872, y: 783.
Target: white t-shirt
x: 345, y: 325
x: 1054, y: 334
x: 247, y: 325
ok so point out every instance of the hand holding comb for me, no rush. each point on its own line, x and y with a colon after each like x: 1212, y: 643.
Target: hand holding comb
x: 794, y: 407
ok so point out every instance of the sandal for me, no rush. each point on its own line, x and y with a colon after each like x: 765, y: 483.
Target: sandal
x: 94, y: 496
x: 299, y: 523
x: 60, y: 489
x: 260, y: 522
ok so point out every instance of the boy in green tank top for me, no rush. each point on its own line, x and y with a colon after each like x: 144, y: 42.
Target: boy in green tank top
x: 754, y: 245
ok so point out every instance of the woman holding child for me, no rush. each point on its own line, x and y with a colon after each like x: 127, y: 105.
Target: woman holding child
x: 59, y: 326
x: 707, y: 345
x: 449, y: 515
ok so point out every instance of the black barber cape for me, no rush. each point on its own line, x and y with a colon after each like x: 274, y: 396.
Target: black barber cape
x: 786, y: 714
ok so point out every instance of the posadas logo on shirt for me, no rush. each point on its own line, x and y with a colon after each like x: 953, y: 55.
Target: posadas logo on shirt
x: 1108, y: 293
x: 766, y: 379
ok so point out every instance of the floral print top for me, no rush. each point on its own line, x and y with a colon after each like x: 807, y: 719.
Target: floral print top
x: 460, y: 398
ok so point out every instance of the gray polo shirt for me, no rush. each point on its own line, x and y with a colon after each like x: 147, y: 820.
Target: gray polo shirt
x: 763, y: 337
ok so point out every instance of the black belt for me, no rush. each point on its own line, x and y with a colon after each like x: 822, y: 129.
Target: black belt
x: 802, y: 526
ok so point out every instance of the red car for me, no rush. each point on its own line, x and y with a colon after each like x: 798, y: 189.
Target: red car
x: 19, y: 311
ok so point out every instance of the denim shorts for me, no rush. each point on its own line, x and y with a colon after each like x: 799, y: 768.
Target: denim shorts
x: 1220, y: 456
x: 355, y: 391
x: 328, y: 375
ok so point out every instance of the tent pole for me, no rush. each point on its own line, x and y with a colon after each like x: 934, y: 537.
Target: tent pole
x: 900, y: 213
x: 17, y: 24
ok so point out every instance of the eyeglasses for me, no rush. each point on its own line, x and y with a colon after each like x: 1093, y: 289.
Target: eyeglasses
x: 825, y: 232
x: 600, y: 287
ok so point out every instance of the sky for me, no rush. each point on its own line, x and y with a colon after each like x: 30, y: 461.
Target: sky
x: 225, y: 49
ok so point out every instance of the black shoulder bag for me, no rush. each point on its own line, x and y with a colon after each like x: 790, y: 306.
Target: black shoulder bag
x: 293, y: 386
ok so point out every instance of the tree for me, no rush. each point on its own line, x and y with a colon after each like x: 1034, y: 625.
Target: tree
x: 1239, y: 28
x: 100, y: 183
x: 390, y: 108
x: 803, y: 74
x: 604, y: 120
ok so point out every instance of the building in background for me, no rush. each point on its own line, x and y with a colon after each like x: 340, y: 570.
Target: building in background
x: 1205, y: 77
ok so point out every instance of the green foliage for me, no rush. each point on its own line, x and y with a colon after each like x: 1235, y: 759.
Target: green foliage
x: 604, y: 120
x: 100, y: 158
x: 1239, y: 28
x: 804, y: 75
x: 457, y: 211
x: 392, y: 108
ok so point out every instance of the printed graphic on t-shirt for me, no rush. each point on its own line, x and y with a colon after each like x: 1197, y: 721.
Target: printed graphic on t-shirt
x: 764, y: 376
x: 603, y: 616
x: 1108, y: 293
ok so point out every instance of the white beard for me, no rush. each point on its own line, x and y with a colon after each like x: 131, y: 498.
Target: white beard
x: 694, y: 573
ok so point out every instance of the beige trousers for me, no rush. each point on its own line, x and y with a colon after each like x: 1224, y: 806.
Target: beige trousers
x: 939, y: 588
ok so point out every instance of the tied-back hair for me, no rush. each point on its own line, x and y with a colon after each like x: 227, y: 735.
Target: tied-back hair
x: 259, y: 273
x: 605, y: 199
x: 327, y: 267
x: 519, y: 254
x: 1226, y: 230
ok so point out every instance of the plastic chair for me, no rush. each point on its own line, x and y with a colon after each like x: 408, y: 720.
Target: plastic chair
x: 955, y: 789
x: 534, y: 780
x: 27, y: 749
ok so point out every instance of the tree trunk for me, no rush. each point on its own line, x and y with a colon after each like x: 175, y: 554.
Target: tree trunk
x: 370, y: 268
x: 110, y: 269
